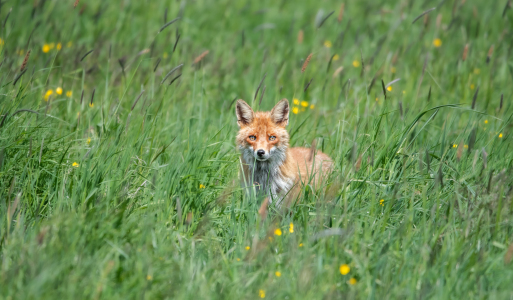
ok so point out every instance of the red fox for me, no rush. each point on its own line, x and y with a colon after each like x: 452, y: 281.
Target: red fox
x: 266, y: 159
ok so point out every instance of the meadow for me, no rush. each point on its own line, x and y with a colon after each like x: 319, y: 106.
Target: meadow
x: 119, y: 171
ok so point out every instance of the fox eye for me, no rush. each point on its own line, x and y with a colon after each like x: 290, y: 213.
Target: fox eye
x: 252, y: 137
x: 272, y: 138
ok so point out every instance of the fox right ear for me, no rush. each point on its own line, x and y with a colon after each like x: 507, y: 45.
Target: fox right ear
x: 244, y: 113
x: 280, y: 113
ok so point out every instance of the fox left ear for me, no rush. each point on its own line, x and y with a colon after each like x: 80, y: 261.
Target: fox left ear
x: 280, y: 113
x: 244, y: 113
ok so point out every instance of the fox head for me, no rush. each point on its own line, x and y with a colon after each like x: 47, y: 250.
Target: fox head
x: 262, y: 135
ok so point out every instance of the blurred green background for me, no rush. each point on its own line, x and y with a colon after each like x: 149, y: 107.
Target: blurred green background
x: 119, y: 177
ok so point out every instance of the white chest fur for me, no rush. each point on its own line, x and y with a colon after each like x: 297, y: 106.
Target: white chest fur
x: 266, y: 175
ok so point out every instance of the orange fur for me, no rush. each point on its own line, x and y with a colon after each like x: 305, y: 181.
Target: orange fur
x: 267, y: 161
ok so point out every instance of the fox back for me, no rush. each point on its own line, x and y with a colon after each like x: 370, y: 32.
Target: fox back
x: 267, y: 161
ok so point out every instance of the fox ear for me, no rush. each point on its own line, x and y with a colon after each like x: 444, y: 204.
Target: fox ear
x: 280, y: 113
x: 244, y: 113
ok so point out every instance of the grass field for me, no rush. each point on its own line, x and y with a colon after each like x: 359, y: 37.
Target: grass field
x: 119, y: 180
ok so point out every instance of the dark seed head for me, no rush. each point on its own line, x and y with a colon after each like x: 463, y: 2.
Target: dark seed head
x: 156, y: 65
x: 92, y: 96
x: 472, y: 139
x: 474, y: 99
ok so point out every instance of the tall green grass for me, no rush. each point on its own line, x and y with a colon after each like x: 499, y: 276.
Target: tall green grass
x: 134, y: 193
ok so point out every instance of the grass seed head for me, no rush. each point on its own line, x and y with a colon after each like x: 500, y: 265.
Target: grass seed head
x: 341, y: 13
x: 489, y: 56
x: 460, y: 151
x: 472, y: 139
x: 465, y: 52
x: 485, y: 157
x: 200, y: 57
x: 337, y: 71
x: 25, y: 60
x: 508, y: 256
x: 307, y: 61
x: 157, y: 64
x: 92, y: 98
x: 475, y: 98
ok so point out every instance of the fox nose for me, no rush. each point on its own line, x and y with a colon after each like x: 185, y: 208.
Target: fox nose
x: 261, y: 152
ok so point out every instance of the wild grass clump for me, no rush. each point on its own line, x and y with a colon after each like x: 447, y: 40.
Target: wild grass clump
x: 133, y: 191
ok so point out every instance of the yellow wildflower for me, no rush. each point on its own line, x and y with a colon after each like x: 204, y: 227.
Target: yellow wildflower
x: 238, y: 259
x: 500, y: 135
x: 277, y: 231
x: 472, y: 86
x: 59, y: 46
x: 304, y: 103
x: 389, y: 88
x: 335, y: 57
x: 291, y: 227
x: 437, y: 42
x: 327, y: 44
x: 58, y: 91
x: 312, y: 106
x: 261, y: 293
x: 75, y: 164
x: 300, y: 244
x: 46, y: 48
x: 149, y: 277
x: 377, y: 98
x: 248, y: 247
x: 202, y: 186
x: 295, y: 110
x: 356, y: 63
x: 277, y: 273
x: 88, y: 141
x: 91, y: 104
x: 382, y: 202
x: 48, y: 94
x: 296, y: 101
x: 352, y: 281
x: 344, y: 269
x: 466, y: 146
x: 486, y: 121
x: 69, y: 93
x: 454, y: 146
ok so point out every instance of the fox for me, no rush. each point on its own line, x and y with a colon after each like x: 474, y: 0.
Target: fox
x: 267, y: 161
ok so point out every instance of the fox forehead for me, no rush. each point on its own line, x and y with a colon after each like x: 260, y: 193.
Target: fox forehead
x: 262, y: 124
